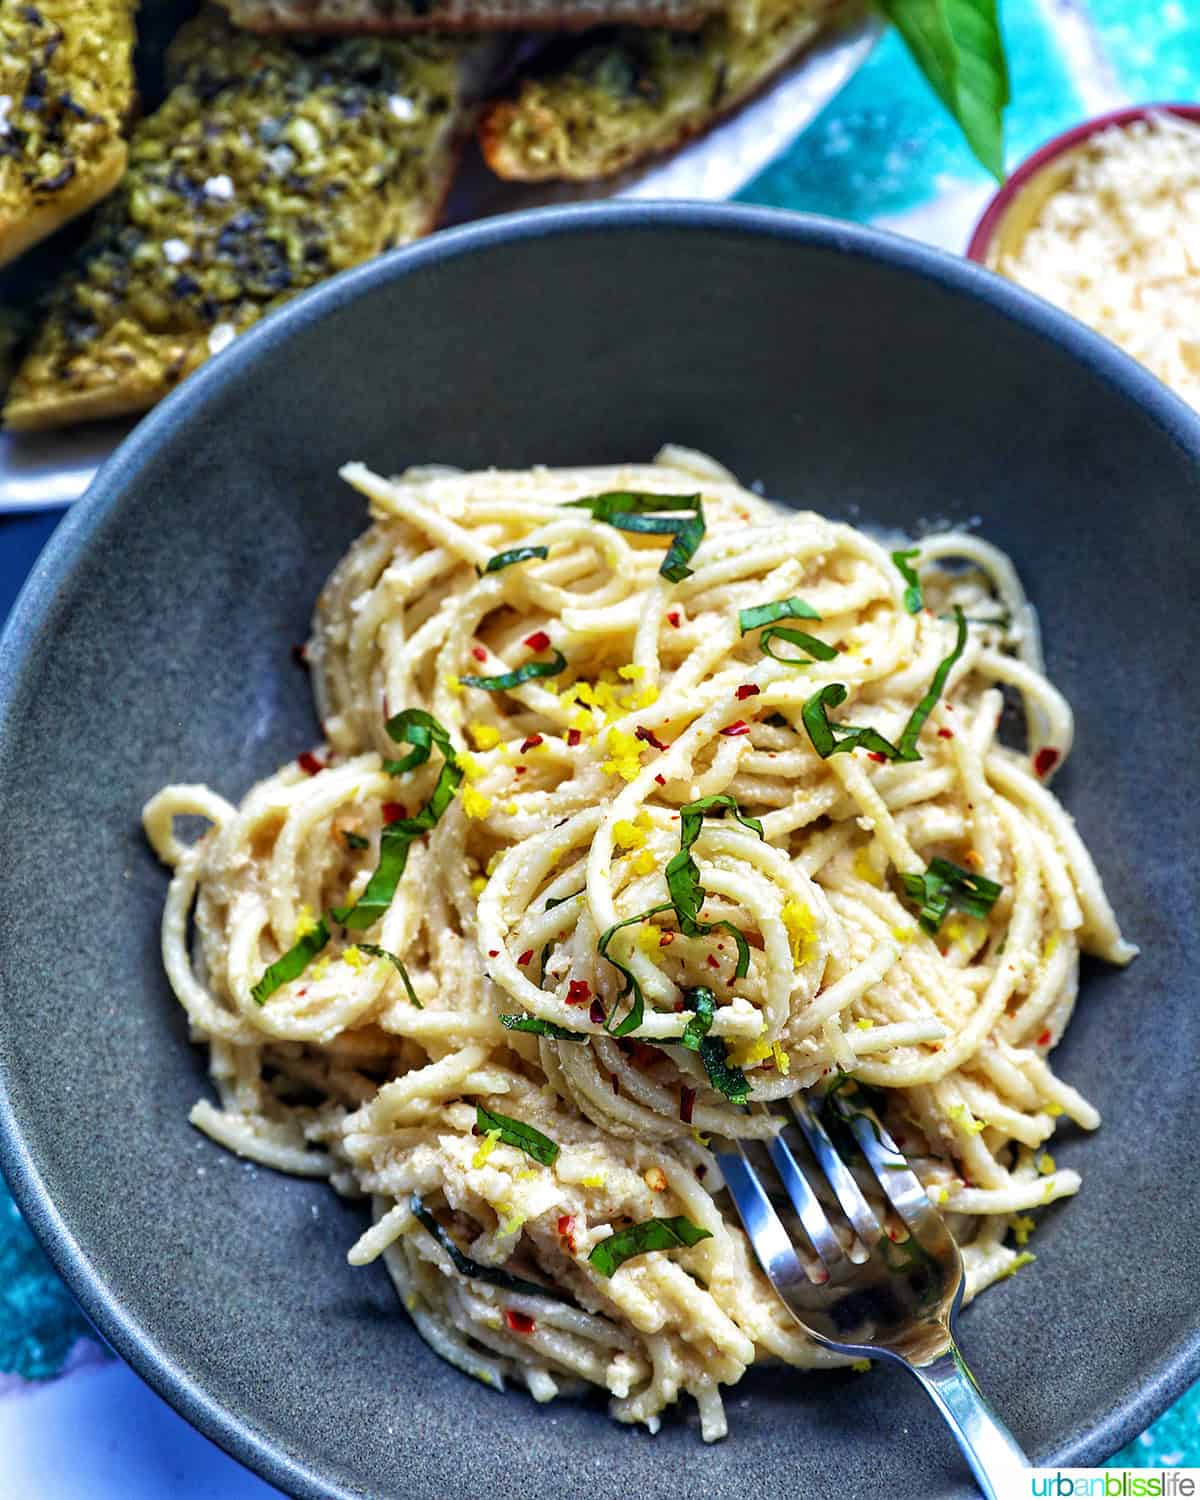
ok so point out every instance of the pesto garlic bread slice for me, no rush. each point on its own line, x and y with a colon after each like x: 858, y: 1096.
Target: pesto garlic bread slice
x: 271, y: 165
x: 360, y: 16
x: 66, y: 87
x: 597, y: 107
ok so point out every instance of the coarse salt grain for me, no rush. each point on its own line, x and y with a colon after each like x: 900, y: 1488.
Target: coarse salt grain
x: 219, y: 187
x: 175, y: 252
x: 221, y: 337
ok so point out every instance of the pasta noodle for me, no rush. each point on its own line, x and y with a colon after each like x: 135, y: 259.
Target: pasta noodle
x: 558, y: 864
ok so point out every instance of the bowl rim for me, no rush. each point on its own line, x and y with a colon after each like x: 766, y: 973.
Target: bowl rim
x: 1176, y: 1367
x: 1000, y: 201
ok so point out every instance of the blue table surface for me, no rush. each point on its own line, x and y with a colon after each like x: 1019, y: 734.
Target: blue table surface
x: 881, y: 152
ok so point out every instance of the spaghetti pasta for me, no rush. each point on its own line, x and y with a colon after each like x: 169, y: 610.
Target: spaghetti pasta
x: 589, y: 868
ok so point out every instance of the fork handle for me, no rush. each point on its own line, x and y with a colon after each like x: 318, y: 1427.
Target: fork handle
x: 1001, y: 1470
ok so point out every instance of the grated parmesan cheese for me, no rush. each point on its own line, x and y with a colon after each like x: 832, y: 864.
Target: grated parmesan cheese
x: 1118, y: 245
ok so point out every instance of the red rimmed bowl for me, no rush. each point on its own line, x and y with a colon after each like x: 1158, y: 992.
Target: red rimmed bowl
x: 1013, y: 210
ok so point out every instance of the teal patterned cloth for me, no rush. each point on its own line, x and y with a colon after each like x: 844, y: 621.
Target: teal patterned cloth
x: 881, y: 149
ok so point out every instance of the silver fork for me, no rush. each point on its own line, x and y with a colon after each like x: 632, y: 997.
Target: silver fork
x: 894, y: 1299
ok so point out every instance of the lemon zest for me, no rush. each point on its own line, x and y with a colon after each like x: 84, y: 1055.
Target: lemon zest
x: 631, y: 673
x: 1045, y: 1164
x: 963, y: 1116
x: 1054, y: 1110
x: 626, y: 753
x: 478, y: 886
x: 904, y: 934
x: 628, y: 835
x: 469, y: 766
x: 782, y: 1061
x: 801, y: 930
x: 644, y: 863
x: 474, y: 803
x: 594, y: 1179
x: 486, y: 1147
x: 452, y: 683
x: 1025, y: 1258
x: 865, y: 870
x: 484, y: 736
x: 320, y: 968
x: 1051, y: 947
x: 355, y: 957
x: 305, y: 923
x: 1022, y: 1227
x: 648, y: 938
x: 864, y: 1024
x: 861, y: 1366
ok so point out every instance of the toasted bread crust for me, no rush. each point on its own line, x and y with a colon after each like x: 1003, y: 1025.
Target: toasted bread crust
x: 659, y: 138
x: 458, y: 16
x: 237, y: 230
x: 20, y: 231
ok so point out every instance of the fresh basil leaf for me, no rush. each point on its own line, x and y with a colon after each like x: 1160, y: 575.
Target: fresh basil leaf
x: 726, y: 1077
x: 535, y: 1026
x: 703, y: 1004
x: 907, y: 747
x: 421, y: 731
x: 914, y: 601
x: 517, y: 1133
x: 945, y: 884
x: 526, y: 672
x: 638, y: 1239
x: 959, y: 47
x: 782, y: 609
x: 494, y: 1275
x: 377, y: 952
x: 629, y: 985
x: 513, y: 555
x: 630, y: 510
x: 831, y: 739
x: 818, y: 650
x: 553, y: 901
x: 355, y: 840
x: 291, y: 964
x: 683, y: 874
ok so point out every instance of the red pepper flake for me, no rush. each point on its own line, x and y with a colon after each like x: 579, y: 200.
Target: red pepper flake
x: 573, y: 736
x: 519, y: 1322
x: 945, y: 734
x: 596, y: 1013
x: 309, y: 763
x: 1045, y: 760
x: 713, y: 962
x: 616, y: 1084
x: 493, y: 953
x: 662, y: 780
x: 525, y: 957
x: 643, y: 1056
x: 578, y: 992
x: 1044, y: 1039
x: 479, y: 653
x: 566, y: 1231
x: 673, y: 616
x: 642, y: 733
x: 520, y: 770
x: 679, y: 1005
x: 304, y: 991
x: 875, y: 755
x: 733, y: 730
x: 666, y: 940
x: 701, y: 1172
x: 300, y: 655
x: 687, y: 1101
x: 748, y: 690
x: 530, y: 743
x: 393, y: 812
x: 538, y: 641
x: 893, y: 1235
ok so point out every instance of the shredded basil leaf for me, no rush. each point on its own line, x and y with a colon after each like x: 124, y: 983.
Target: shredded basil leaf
x: 818, y: 650
x: 537, y: 1027
x: 421, y: 731
x: 829, y: 739
x: 629, y: 985
x: 517, y: 1133
x: 377, y: 952
x: 702, y: 1002
x: 726, y: 1077
x: 355, y: 840
x: 783, y: 609
x: 637, y: 1239
x: 945, y: 884
x: 908, y: 740
x: 683, y: 874
x: 629, y: 510
x: 553, y: 901
x: 291, y: 964
x: 495, y: 1275
x: 913, y: 599
x: 513, y: 555
x: 526, y: 672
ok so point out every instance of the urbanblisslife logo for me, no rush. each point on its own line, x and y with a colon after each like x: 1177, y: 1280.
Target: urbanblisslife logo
x: 1114, y: 1484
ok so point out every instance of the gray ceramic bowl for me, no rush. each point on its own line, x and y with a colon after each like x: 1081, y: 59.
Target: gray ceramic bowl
x: 845, y: 370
